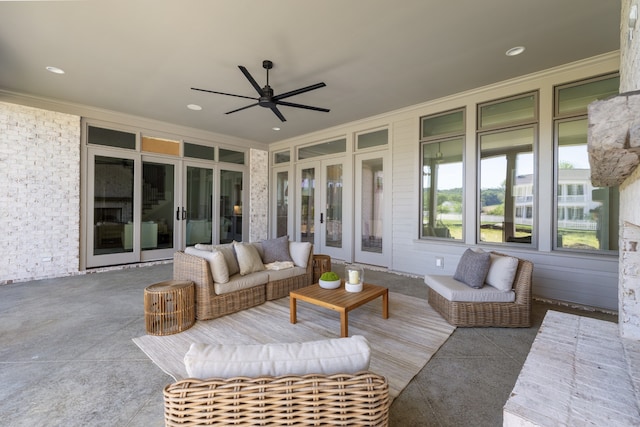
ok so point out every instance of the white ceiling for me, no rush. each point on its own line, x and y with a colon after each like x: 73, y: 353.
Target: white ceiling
x: 142, y: 57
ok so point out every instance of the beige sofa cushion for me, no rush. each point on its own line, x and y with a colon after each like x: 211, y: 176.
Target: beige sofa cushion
x: 228, y: 252
x: 238, y: 282
x: 502, y: 272
x: 286, y: 273
x: 217, y: 263
x: 299, y: 252
x: 249, y: 259
x: 454, y: 290
x: 328, y: 357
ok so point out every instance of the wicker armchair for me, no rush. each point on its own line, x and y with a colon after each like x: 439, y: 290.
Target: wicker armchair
x: 360, y: 399
x: 516, y: 314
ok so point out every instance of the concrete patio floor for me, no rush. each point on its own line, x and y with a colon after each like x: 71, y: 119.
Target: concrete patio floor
x: 67, y: 359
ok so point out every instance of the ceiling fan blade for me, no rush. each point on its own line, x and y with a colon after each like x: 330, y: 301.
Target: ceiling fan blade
x: 308, y: 107
x: 299, y: 91
x: 278, y: 113
x: 242, y: 108
x: 251, y: 79
x: 223, y: 93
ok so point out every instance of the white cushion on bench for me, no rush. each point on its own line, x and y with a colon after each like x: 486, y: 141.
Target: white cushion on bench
x: 330, y: 356
x: 454, y: 290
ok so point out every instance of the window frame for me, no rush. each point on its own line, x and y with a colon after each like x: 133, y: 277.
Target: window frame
x: 442, y: 139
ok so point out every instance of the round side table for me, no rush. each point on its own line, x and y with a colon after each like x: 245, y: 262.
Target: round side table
x: 169, y: 307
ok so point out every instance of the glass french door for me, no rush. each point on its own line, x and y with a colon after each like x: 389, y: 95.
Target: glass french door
x: 159, y: 220
x: 372, y: 232
x: 231, y: 198
x: 320, y: 210
x: 132, y: 208
x: 280, y: 215
x: 198, y: 215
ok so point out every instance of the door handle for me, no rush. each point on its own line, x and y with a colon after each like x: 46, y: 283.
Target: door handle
x: 321, y: 217
x: 184, y: 214
x: 178, y: 214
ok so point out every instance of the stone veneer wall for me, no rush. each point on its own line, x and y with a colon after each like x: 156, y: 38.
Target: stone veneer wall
x: 259, y: 195
x: 629, y: 282
x: 39, y: 193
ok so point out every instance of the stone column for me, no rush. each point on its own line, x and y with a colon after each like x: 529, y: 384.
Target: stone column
x: 629, y: 270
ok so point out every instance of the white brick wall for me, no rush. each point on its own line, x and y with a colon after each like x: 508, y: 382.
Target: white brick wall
x: 259, y: 195
x: 39, y: 193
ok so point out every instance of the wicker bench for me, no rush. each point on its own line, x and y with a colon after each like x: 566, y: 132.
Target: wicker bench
x: 516, y: 314
x: 360, y: 399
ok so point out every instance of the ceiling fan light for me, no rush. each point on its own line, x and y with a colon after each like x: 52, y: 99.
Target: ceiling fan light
x: 514, y: 51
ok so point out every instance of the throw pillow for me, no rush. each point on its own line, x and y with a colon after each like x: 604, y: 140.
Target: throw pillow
x: 502, y: 272
x: 248, y: 258
x: 227, y: 251
x: 328, y: 356
x: 276, y: 250
x: 473, y: 268
x: 217, y: 263
x: 300, y: 253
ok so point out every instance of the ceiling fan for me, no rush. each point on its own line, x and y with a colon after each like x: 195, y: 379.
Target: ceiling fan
x: 266, y: 97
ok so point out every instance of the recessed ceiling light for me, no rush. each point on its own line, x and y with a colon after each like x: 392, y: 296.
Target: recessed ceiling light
x: 275, y: 128
x: 55, y: 70
x: 515, y: 51
x: 194, y: 107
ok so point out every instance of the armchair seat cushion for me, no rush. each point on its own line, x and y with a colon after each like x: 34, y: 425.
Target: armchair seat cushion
x: 453, y: 290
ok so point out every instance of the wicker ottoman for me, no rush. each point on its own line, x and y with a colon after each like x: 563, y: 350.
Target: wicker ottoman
x: 169, y: 307
x: 321, y: 264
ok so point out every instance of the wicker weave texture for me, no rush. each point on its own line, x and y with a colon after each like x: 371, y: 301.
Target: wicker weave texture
x: 321, y: 264
x: 515, y: 314
x: 169, y: 307
x: 360, y: 399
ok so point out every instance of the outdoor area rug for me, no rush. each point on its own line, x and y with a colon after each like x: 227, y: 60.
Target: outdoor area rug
x: 400, y: 345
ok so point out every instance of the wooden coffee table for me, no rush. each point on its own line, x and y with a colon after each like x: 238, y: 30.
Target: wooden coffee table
x: 339, y: 300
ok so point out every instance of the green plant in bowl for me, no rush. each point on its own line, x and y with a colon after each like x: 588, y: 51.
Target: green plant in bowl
x: 329, y: 276
x: 329, y: 280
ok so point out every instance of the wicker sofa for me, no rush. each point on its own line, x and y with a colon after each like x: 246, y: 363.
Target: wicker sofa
x: 360, y: 399
x: 264, y: 285
x: 513, y: 314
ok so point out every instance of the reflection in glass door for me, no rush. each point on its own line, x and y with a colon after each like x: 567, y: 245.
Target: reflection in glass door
x: 158, y: 206
x: 307, y: 205
x: 199, y: 203
x: 333, y: 211
x: 230, y: 206
x: 112, y: 204
x: 372, y: 242
x: 282, y: 203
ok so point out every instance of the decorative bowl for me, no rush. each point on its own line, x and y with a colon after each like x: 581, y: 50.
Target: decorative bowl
x: 353, y: 287
x: 329, y: 284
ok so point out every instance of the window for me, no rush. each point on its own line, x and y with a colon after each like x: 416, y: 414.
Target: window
x: 506, y: 197
x: 111, y: 138
x: 586, y: 217
x: 282, y: 157
x: 442, y: 196
x: 322, y: 149
x: 197, y: 151
x: 231, y: 156
x: 372, y: 139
